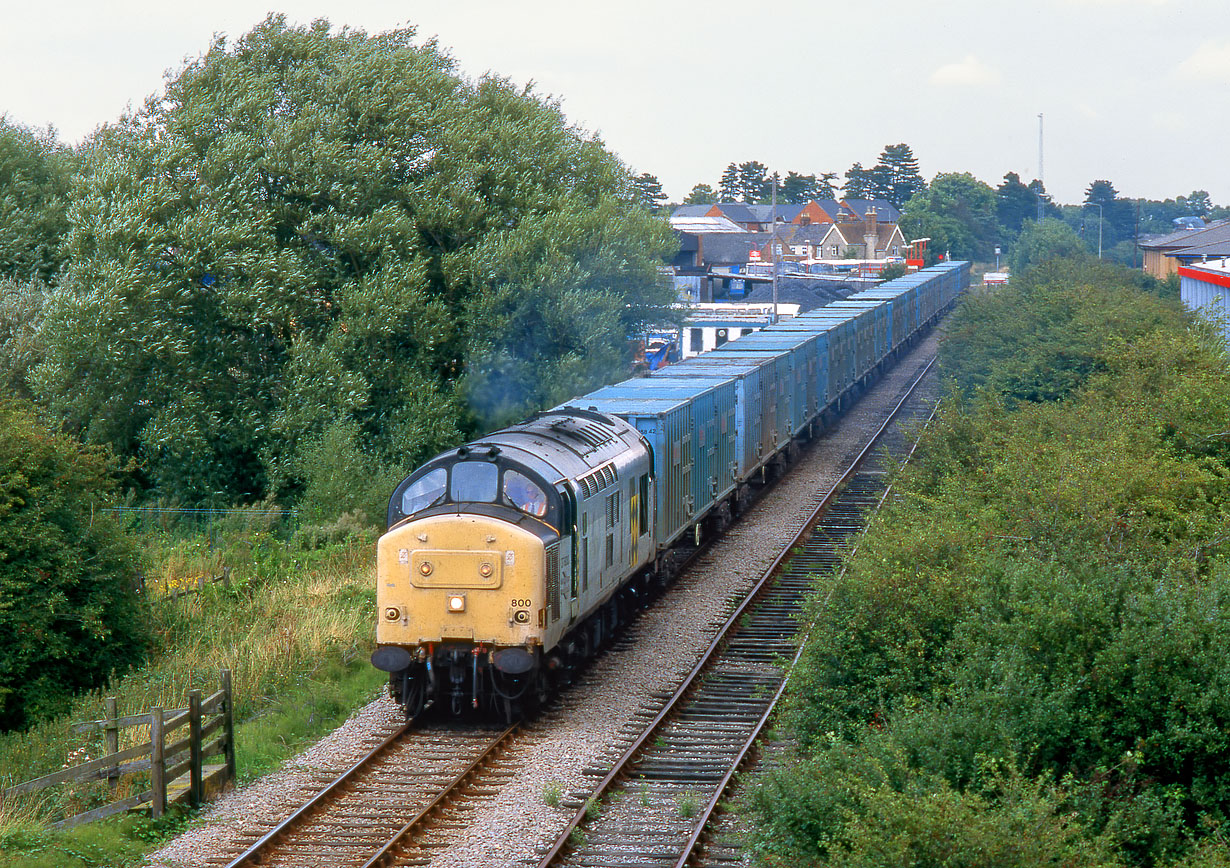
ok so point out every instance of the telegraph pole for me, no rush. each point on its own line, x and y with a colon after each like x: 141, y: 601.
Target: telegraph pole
x: 773, y: 246
x: 1041, y: 182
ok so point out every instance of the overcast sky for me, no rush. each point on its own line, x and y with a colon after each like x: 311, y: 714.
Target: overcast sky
x: 1134, y: 91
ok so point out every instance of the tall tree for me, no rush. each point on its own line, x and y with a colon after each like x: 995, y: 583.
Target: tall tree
x: 796, y: 188
x: 898, y: 177
x: 860, y: 183
x: 649, y: 192
x: 1044, y: 205
x: 1198, y: 203
x: 311, y: 231
x: 1014, y: 203
x: 1118, y: 214
x: 755, y: 185
x: 728, y: 186
x: 34, y: 177
x: 702, y: 194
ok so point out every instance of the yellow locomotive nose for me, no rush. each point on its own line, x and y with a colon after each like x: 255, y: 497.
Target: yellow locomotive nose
x: 438, y: 569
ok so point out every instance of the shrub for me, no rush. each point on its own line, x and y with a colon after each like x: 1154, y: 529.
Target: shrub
x: 69, y: 617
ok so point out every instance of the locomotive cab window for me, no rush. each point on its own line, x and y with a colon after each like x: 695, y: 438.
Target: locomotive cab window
x: 525, y: 494
x: 424, y: 492
x: 474, y: 482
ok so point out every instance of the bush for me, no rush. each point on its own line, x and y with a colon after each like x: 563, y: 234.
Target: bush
x: 69, y: 617
x: 865, y: 806
x: 1049, y: 594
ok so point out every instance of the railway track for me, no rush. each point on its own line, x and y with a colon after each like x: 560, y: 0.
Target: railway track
x: 654, y: 806
x: 416, y: 795
x: 393, y: 806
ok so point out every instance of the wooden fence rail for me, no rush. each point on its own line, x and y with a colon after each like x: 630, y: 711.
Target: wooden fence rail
x: 210, y: 732
x: 196, y: 586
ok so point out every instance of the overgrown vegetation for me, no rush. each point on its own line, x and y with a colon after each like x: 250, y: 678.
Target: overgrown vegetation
x: 68, y: 615
x: 294, y: 627
x: 1026, y: 662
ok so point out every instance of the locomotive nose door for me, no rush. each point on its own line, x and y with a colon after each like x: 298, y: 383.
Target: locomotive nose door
x: 570, y: 551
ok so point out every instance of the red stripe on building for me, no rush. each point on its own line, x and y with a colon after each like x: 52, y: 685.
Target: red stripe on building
x: 1215, y: 278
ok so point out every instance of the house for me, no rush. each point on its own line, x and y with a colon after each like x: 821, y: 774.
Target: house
x: 1165, y: 255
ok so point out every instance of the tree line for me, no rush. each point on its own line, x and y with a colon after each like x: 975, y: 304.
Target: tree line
x: 315, y: 249
x: 962, y: 216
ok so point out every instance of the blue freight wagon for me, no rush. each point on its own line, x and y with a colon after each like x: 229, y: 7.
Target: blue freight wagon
x: 796, y: 388
x: 707, y: 453
x: 750, y: 403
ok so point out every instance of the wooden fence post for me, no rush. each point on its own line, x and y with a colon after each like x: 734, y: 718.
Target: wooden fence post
x: 228, y: 723
x: 111, y: 739
x: 196, y: 792
x: 157, y: 764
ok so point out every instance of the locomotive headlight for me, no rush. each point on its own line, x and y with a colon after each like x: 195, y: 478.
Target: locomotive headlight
x: 522, y: 616
x: 485, y: 570
x: 392, y: 613
x: 425, y: 568
x: 457, y: 603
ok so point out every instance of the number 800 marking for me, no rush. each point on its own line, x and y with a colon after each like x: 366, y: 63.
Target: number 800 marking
x: 521, y: 604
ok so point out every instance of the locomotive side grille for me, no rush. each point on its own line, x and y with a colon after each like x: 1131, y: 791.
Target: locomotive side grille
x: 553, y: 602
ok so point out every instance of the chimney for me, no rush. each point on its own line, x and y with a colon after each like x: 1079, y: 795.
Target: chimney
x: 870, y: 235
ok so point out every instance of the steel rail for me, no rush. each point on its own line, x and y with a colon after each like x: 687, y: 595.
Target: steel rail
x: 253, y: 855
x: 389, y: 850
x: 564, y: 839
x: 257, y: 852
x: 706, y: 814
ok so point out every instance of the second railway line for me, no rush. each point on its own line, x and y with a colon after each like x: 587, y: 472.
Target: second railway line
x: 586, y: 727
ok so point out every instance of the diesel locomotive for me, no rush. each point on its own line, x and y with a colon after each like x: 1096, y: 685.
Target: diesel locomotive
x: 510, y: 561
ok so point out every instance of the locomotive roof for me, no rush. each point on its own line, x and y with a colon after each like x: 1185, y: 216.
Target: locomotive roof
x: 565, y: 440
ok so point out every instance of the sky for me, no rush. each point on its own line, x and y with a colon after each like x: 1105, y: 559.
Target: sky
x: 1133, y: 91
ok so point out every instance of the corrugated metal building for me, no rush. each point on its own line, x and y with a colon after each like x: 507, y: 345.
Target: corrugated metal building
x: 1205, y: 286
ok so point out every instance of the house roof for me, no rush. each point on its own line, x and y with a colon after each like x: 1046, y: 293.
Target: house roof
x: 705, y: 224
x: 886, y: 212
x: 1213, y: 250
x: 832, y: 207
x: 690, y: 211
x: 785, y: 212
x: 737, y: 212
x: 1185, y: 238
x: 812, y: 233
x: 731, y: 249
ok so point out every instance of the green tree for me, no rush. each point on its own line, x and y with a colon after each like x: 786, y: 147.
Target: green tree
x: 1014, y: 204
x: 861, y: 183
x: 957, y: 212
x: 21, y: 344
x: 68, y: 614
x: 1042, y: 242
x: 754, y: 184
x: 649, y: 192
x: 1119, y: 215
x: 898, y: 178
x: 728, y: 186
x: 797, y: 189
x: 34, y: 178
x: 1198, y: 203
x: 310, y: 229
x: 702, y: 194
